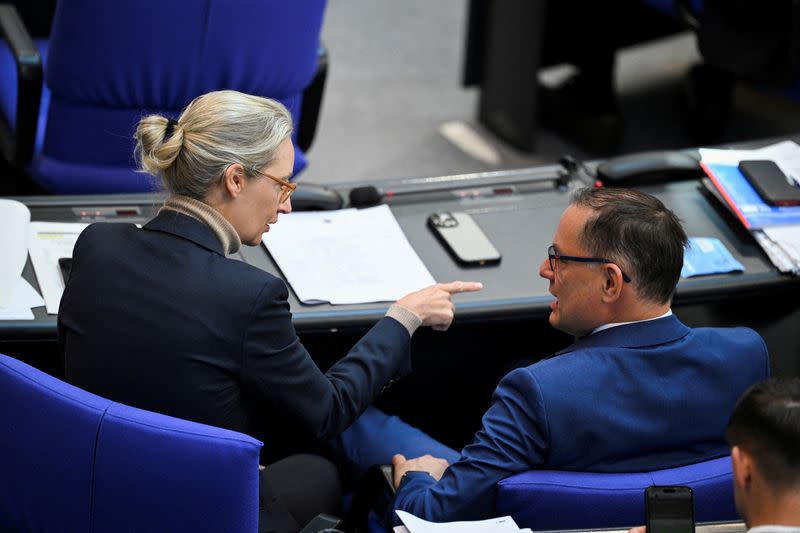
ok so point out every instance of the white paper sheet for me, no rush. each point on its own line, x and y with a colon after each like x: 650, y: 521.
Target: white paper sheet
x: 23, y: 297
x: 49, y: 241
x: 347, y: 256
x: 785, y: 154
x: 503, y: 524
x: 788, y: 238
x: 14, y: 219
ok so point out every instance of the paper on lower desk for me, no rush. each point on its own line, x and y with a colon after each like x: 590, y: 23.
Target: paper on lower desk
x: 788, y: 238
x: 782, y: 261
x: 23, y: 297
x: 785, y: 154
x: 503, y: 524
x: 347, y: 256
x: 50, y: 241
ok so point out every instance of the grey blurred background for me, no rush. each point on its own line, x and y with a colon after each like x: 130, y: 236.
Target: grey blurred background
x: 394, y: 79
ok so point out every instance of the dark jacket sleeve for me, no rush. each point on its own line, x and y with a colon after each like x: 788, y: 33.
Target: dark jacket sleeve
x: 276, y: 367
x: 514, y: 438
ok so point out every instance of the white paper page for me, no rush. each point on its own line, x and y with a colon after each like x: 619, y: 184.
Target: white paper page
x: 785, y: 154
x: 14, y: 222
x: 779, y: 257
x: 23, y: 297
x: 346, y: 256
x: 503, y: 524
x: 788, y: 238
x: 48, y: 242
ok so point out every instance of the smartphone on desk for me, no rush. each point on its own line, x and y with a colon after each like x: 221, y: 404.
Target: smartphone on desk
x: 463, y: 238
x: 770, y: 182
x: 669, y: 509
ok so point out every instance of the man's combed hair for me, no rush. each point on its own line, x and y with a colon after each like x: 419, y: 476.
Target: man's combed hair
x: 638, y: 233
x: 766, y: 424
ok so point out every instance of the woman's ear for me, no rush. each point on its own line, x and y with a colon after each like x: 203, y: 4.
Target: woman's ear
x: 234, y: 179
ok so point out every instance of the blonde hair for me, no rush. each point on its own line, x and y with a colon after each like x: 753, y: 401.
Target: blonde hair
x: 215, y: 130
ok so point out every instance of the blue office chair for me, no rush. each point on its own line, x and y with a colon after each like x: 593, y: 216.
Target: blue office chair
x: 72, y: 461
x: 106, y: 64
x: 549, y: 499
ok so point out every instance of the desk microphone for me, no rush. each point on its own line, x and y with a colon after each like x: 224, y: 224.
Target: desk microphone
x: 368, y: 196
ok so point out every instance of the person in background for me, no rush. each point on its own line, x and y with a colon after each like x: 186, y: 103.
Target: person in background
x: 764, y: 434
x: 163, y: 318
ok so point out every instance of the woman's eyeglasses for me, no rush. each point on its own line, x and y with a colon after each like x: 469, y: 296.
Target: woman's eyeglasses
x: 287, y: 187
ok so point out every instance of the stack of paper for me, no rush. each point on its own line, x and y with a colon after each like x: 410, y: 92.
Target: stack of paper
x: 775, y: 228
x: 412, y: 524
x: 346, y: 257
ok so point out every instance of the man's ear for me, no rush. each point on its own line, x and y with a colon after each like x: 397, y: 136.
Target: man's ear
x: 234, y: 179
x: 742, y: 465
x: 612, y: 282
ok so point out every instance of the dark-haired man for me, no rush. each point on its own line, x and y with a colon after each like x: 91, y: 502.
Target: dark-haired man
x: 764, y: 434
x: 636, y: 391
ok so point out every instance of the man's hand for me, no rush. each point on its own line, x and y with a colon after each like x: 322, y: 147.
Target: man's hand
x: 638, y: 529
x: 427, y: 463
x: 433, y: 304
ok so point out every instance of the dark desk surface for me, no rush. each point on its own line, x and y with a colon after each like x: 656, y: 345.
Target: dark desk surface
x: 520, y: 223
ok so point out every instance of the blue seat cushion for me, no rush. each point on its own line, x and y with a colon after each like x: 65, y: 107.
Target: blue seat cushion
x: 547, y: 499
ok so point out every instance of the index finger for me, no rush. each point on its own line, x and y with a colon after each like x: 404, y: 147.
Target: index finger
x: 461, y: 286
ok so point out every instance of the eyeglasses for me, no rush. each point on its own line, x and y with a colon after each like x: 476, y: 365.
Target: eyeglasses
x: 554, y: 256
x: 287, y: 187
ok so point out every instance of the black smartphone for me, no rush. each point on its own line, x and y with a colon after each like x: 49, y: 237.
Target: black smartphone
x: 65, y: 267
x: 463, y: 238
x: 770, y: 182
x: 669, y: 509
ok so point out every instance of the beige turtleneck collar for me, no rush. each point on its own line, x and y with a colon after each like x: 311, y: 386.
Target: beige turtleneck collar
x: 203, y: 212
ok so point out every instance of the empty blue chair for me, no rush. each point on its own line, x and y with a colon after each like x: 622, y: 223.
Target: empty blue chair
x: 549, y: 499
x: 108, y: 63
x: 72, y: 461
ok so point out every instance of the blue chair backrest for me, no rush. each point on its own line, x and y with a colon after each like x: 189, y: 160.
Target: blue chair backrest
x: 75, y: 462
x: 111, y: 62
x: 549, y: 500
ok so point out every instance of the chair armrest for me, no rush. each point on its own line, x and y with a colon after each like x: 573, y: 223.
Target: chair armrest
x: 29, y: 82
x: 312, y: 101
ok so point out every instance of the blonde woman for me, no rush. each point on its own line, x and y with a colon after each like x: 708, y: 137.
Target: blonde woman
x: 160, y: 318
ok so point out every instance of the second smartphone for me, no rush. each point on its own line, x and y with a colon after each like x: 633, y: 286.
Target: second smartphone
x: 669, y: 509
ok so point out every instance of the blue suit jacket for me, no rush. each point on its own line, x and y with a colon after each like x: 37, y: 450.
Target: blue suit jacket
x: 637, y: 397
x: 160, y: 319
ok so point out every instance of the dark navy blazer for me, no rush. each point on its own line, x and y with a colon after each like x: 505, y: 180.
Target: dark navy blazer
x: 636, y: 397
x: 158, y: 318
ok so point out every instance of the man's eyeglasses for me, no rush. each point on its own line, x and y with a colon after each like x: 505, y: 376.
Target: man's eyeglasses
x: 287, y: 187
x: 554, y: 257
